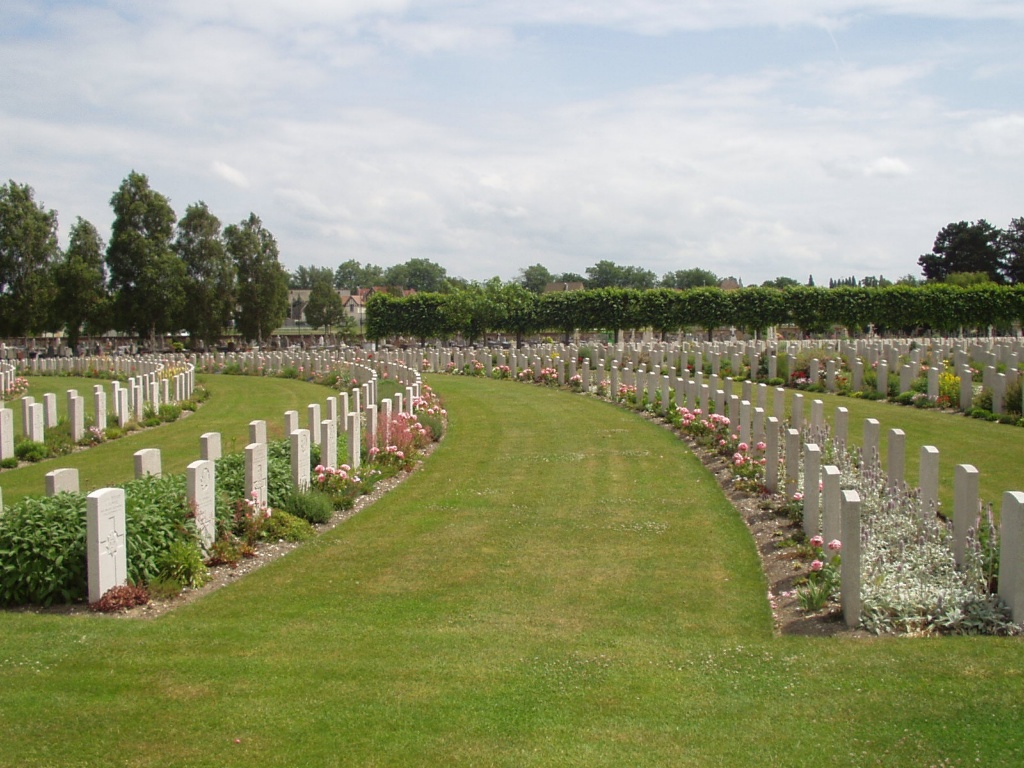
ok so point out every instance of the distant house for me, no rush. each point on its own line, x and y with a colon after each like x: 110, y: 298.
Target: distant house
x: 558, y: 287
x: 729, y: 284
x: 355, y: 309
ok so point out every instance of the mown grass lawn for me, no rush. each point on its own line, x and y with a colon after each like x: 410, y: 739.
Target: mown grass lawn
x: 563, y: 585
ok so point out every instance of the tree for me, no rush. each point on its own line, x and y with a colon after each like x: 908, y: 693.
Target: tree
x: 82, y: 284
x: 519, y: 311
x: 963, y: 247
x: 304, y: 278
x: 535, y: 278
x: 146, y: 276
x: 28, y: 250
x: 417, y: 274
x: 782, y: 283
x: 351, y: 275
x: 689, y: 278
x: 324, y: 307
x: 209, y: 274
x: 569, y: 277
x: 1011, y: 243
x: 607, y: 274
x: 262, y: 281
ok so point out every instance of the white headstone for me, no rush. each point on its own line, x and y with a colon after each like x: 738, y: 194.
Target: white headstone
x: 200, y: 490
x: 50, y: 410
x: 258, y: 431
x: 35, y: 423
x: 62, y: 481
x: 147, y: 462
x: 329, y: 443
x: 209, y: 446
x: 6, y: 433
x: 299, y: 439
x: 106, y: 561
x: 256, y: 473
x: 313, y: 417
x: 291, y: 421
x: 849, y: 569
x: 354, y: 440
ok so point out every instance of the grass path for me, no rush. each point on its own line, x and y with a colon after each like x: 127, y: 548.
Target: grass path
x: 563, y: 585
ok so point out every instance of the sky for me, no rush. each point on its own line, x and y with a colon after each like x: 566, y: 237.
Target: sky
x: 753, y: 139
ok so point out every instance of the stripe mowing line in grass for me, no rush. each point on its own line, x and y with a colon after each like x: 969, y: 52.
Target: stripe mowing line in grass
x: 506, y: 612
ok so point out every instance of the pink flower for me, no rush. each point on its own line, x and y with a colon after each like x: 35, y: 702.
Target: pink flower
x: 817, y: 565
x: 761, y: 446
x: 798, y: 496
x: 835, y: 545
x: 743, y: 447
x: 817, y: 541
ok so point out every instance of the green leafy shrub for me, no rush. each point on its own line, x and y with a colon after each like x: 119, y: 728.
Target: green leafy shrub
x: 281, y: 525
x: 433, y: 422
x: 169, y: 412
x: 983, y: 399
x: 183, y: 563
x: 225, y: 551
x: 29, y: 450
x: 42, y: 550
x: 157, y: 515
x: 11, y: 462
x: 1012, y: 399
x: 58, y: 440
x: 311, y: 506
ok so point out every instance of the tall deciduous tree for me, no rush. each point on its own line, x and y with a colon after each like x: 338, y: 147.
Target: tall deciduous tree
x: 1011, y: 243
x: 963, y: 247
x: 324, y: 308
x: 535, y: 278
x: 304, y: 278
x: 209, y: 274
x: 418, y: 274
x: 28, y: 250
x: 146, y: 276
x: 262, y: 281
x: 351, y: 275
x: 82, y: 284
x: 690, y: 278
x: 608, y: 274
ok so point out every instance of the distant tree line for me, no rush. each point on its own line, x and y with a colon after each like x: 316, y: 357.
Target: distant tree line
x: 509, y: 308
x: 160, y: 274
x: 157, y: 275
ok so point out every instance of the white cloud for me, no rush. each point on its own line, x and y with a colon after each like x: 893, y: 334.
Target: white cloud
x: 887, y: 166
x: 230, y: 174
x: 356, y: 130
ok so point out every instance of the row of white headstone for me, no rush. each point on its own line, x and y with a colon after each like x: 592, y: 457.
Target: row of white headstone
x: 106, y: 531
x: 129, y: 403
x: 859, y: 355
